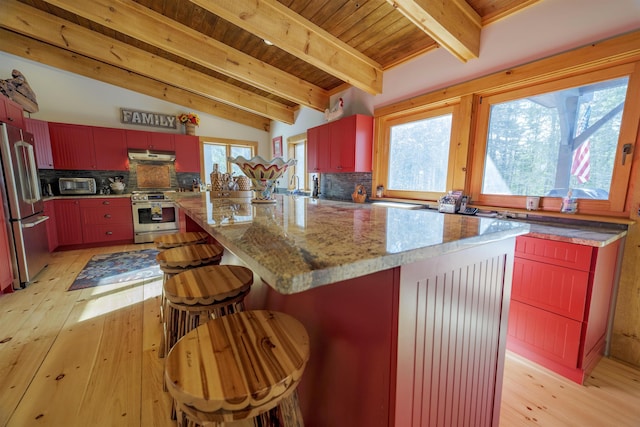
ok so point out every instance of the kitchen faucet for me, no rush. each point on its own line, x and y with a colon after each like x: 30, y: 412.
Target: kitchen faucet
x: 295, y: 181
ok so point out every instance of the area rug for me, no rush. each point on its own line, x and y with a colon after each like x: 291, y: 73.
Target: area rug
x: 108, y: 269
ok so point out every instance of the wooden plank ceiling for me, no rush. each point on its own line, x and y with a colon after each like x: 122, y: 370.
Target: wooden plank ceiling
x: 243, y: 60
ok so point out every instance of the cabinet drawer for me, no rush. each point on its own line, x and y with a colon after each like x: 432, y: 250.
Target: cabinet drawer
x: 105, y: 201
x: 107, y: 215
x: 557, y: 289
x: 107, y: 233
x: 547, y: 334
x: 558, y: 253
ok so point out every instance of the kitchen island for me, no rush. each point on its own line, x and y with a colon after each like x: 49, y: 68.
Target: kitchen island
x: 406, y: 309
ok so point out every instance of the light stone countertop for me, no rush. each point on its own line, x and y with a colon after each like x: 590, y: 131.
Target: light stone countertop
x: 582, y: 235
x: 299, y: 243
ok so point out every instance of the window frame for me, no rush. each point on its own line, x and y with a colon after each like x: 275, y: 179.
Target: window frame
x: 292, y: 141
x: 615, y: 204
x: 458, y: 143
x: 227, y: 143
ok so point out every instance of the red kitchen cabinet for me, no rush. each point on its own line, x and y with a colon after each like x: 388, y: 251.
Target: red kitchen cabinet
x: 68, y: 223
x: 72, y: 146
x: 143, y: 140
x: 110, y: 147
x: 162, y: 141
x: 106, y: 220
x: 52, y: 227
x: 560, y: 303
x: 318, y: 149
x: 187, y: 153
x: 341, y: 146
x: 40, y: 131
x: 11, y: 112
x: 6, y: 275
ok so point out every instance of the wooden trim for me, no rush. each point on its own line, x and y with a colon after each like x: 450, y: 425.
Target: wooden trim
x: 603, y: 54
x: 457, y: 160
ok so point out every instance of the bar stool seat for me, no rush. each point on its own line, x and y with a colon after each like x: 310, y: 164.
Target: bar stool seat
x: 174, y: 240
x: 177, y: 260
x: 197, y: 295
x: 237, y: 367
x: 208, y: 285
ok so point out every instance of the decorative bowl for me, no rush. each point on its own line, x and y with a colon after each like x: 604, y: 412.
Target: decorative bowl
x: 263, y: 174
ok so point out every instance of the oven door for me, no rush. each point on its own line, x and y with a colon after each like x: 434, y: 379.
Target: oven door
x: 153, y: 218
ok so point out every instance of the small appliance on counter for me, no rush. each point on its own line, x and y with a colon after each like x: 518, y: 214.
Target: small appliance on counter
x: 71, y: 186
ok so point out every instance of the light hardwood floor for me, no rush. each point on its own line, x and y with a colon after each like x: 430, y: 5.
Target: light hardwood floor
x: 89, y: 358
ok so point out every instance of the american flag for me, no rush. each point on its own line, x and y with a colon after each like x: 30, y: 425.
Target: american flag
x: 581, y: 165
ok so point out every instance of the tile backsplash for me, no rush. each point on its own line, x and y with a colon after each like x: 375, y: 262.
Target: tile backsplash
x: 177, y: 179
x: 339, y: 186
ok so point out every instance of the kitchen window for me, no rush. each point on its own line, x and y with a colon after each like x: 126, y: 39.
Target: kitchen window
x: 554, y: 138
x: 297, y: 175
x: 416, y: 160
x: 217, y: 151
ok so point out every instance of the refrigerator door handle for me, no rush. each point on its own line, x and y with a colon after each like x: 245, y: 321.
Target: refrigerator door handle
x: 29, y: 182
x: 40, y: 220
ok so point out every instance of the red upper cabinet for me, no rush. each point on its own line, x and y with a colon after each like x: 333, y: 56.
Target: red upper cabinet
x: 40, y: 131
x: 110, y: 146
x: 162, y: 141
x: 138, y: 139
x: 72, y: 146
x: 11, y: 112
x: 143, y: 140
x: 318, y: 149
x: 341, y: 146
x: 187, y: 153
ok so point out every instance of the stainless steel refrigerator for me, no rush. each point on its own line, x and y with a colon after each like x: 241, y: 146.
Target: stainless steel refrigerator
x: 23, y: 205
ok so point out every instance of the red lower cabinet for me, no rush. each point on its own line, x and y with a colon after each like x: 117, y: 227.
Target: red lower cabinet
x: 560, y: 304
x: 106, y: 220
x: 52, y: 228
x: 6, y: 270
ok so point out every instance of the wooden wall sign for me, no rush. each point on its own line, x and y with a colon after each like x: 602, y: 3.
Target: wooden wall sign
x: 146, y: 118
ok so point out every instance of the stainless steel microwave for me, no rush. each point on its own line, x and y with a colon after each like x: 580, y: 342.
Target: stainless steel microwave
x: 77, y: 185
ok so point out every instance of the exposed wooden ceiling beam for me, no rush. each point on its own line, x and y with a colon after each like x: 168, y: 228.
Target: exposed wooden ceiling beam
x: 271, y: 20
x: 453, y: 24
x: 58, y: 32
x: 34, y: 50
x: 137, y: 21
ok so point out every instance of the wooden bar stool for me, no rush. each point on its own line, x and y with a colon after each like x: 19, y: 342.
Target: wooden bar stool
x: 181, y: 258
x: 237, y: 367
x: 200, y: 294
x: 174, y: 240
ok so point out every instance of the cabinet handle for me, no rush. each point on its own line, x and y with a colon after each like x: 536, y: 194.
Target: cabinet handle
x: 107, y: 216
x: 106, y: 202
x: 626, y: 150
x: 109, y: 233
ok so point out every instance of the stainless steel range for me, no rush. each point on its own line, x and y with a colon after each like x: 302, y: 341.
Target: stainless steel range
x: 153, y: 215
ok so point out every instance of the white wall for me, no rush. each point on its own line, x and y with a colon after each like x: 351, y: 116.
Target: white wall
x: 70, y: 98
x: 546, y: 28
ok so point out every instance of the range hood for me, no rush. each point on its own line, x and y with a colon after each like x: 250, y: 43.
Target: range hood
x: 152, y: 155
